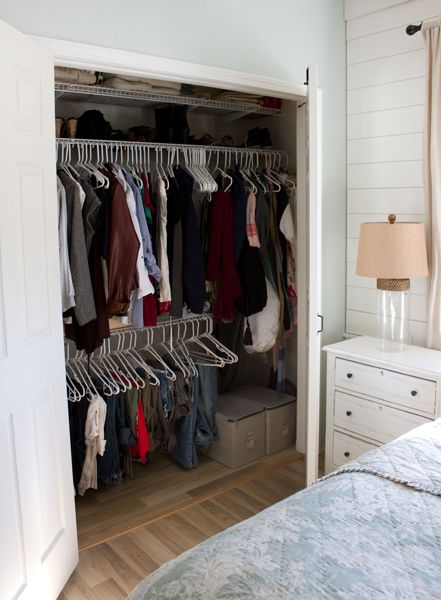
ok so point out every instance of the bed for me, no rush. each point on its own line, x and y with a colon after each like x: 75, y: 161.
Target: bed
x: 371, y: 529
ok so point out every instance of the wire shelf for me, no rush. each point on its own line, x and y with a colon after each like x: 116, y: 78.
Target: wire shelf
x: 67, y: 92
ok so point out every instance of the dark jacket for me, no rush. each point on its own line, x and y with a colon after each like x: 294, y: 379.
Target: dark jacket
x: 193, y: 268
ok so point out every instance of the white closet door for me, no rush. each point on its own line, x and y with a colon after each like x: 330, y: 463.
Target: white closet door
x: 309, y: 274
x: 38, y: 548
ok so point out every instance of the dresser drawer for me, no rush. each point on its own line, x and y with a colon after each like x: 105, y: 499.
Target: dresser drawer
x: 347, y: 448
x: 404, y: 390
x: 372, y: 419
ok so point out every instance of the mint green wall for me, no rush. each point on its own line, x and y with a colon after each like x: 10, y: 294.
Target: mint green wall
x: 275, y: 38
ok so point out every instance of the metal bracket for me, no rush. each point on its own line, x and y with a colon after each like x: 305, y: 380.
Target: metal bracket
x: 307, y: 76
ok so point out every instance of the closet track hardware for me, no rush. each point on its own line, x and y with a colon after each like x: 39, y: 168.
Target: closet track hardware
x: 103, y: 95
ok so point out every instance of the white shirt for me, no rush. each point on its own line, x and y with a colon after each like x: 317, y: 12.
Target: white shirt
x: 67, y: 286
x: 164, y: 284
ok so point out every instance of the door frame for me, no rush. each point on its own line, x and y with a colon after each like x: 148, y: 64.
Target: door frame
x: 91, y: 57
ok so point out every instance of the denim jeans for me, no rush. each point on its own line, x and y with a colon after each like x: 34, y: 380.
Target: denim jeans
x: 208, y: 405
x: 185, y: 450
x: 109, y: 465
x: 166, y: 394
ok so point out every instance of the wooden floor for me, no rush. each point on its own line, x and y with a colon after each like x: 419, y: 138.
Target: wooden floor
x: 157, y: 488
x: 181, y: 513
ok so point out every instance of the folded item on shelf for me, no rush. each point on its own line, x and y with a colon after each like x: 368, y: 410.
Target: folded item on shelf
x: 241, y: 98
x: 201, y: 91
x: 270, y: 102
x: 155, y: 85
x: 118, y: 83
x: 66, y: 75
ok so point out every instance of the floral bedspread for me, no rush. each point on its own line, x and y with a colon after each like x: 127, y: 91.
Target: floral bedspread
x: 371, y: 530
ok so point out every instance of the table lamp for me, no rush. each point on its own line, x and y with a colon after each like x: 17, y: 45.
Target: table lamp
x: 393, y: 253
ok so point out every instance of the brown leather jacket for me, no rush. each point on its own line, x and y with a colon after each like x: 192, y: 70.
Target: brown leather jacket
x: 122, y: 252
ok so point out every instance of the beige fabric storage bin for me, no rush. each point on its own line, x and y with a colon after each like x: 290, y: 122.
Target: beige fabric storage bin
x: 280, y: 416
x: 241, y: 428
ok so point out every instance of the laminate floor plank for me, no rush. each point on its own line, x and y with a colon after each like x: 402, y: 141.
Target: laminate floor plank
x: 77, y: 589
x: 109, y: 590
x: 151, y: 544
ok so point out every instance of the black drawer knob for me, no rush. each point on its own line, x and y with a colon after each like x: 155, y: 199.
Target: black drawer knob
x: 414, y: 392
x: 349, y: 413
x: 349, y: 375
x: 347, y: 454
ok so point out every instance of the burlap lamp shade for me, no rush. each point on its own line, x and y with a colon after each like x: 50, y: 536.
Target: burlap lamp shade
x: 393, y: 253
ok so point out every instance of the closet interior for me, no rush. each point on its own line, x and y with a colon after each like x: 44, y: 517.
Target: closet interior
x: 177, y: 224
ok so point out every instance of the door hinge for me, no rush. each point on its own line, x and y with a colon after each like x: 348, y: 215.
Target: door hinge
x: 321, y: 323
x: 307, y: 76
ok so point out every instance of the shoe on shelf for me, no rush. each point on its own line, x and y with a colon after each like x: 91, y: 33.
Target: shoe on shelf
x: 258, y: 138
x: 265, y: 138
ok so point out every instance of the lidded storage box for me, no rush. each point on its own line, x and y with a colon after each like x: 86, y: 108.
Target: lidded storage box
x: 241, y: 428
x: 280, y: 415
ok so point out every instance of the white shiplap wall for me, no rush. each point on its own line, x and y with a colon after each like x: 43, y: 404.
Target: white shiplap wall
x: 385, y: 115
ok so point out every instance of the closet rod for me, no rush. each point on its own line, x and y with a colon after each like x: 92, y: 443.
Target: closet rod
x: 412, y: 29
x: 170, y: 147
x: 127, y: 338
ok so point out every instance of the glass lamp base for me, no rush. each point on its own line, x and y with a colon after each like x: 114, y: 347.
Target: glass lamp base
x: 392, y: 320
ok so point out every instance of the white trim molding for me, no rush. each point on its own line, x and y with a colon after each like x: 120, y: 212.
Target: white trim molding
x: 100, y: 58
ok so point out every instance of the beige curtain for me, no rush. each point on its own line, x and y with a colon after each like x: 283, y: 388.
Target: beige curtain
x: 432, y: 176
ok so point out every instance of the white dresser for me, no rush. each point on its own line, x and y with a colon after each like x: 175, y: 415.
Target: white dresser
x: 374, y: 397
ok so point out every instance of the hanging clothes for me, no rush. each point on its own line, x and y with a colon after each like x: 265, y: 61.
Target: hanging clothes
x: 144, y: 285
x: 84, y: 308
x: 252, y: 281
x: 67, y: 287
x: 239, y: 199
x: 123, y: 248
x: 164, y: 285
x: 193, y: 268
x: 90, y: 336
x: 175, y: 209
x: 221, y: 264
x: 91, y: 210
x: 252, y: 232
x: 142, y: 447
x: 95, y: 443
x: 109, y: 463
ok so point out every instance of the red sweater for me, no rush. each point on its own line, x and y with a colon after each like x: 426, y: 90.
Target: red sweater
x: 221, y: 265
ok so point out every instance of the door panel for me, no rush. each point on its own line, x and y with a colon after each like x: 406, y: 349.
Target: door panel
x: 33, y: 243
x: 11, y: 554
x: 38, y: 530
x: 315, y: 320
x: 309, y: 274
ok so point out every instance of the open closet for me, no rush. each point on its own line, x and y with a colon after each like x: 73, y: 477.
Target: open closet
x: 195, y: 359
x: 170, y: 136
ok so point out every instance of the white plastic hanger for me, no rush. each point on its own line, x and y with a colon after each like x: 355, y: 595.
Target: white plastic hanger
x: 113, y: 368
x: 160, y: 168
x: 171, y: 352
x: 223, y: 173
x: 137, y: 358
x: 169, y: 373
x: 180, y: 346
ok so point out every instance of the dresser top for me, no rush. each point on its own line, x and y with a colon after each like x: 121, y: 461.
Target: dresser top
x: 415, y: 357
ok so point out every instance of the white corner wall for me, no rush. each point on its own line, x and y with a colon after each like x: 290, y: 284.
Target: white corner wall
x: 256, y: 36
x: 385, y: 115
